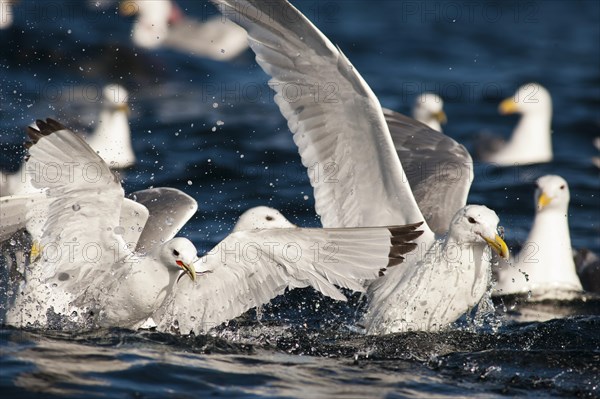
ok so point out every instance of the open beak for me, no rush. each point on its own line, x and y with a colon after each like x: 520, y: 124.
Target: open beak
x: 508, y: 106
x: 498, y: 245
x: 188, y: 269
x: 543, y: 201
x: 440, y: 116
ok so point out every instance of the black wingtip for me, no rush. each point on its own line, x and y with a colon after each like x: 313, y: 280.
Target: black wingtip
x: 44, y: 128
x: 401, y: 243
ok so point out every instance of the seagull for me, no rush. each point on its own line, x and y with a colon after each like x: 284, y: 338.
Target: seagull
x: 111, y: 139
x: 531, y: 140
x: 545, y: 266
x: 87, y: 275
x: 340, y: 127
x: 428, y: 108
x: 421, y: 295
x: 161, y: 23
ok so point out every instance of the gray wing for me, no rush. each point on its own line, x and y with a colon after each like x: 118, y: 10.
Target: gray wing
x: 487, y: 145
x: 438, y: 169
x: 588, y: 270
x: 249, y: 268
x: 169, y: 210
x: 336, y: 118
x: 133, y: 219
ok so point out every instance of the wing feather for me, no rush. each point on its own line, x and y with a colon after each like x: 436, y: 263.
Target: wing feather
x: 169, y: 210
x: 85, y: 202
x: 336, y: 119
x: 249, y: 268
x: 438, y: 169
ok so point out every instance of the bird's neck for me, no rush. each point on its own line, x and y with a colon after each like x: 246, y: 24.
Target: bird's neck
x: 434, y: 124
x: 457, y: 252
x: 553, y: 245
x: 108, y: 121
x: 533, y: 133
x: 112, y: 139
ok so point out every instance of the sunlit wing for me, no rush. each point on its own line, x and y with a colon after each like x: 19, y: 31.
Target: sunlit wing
x: 337, y: 121
x: 249, y: 268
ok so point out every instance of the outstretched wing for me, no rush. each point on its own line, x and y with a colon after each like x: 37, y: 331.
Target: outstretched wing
x: 169, y: 210
x: 336, y: 119
x: 81, y: 231
x: 249, y: 268
x: 438, y: 169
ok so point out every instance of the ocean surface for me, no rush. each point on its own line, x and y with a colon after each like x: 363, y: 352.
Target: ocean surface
x: 213, y: 130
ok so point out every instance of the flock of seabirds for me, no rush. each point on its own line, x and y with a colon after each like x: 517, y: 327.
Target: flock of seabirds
x: 101, y: 258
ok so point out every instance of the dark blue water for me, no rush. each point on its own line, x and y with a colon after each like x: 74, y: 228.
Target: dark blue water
x: 57, y: 56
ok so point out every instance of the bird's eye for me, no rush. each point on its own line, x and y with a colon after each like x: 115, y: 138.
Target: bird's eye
x: 175, y: 252
x: 562, y: 187
x: 269, y: 218
x: 471, y: 220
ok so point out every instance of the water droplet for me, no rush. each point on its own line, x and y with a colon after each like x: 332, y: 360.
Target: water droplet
x: 169, y: 221
x: 76, y: 207
x: 120, y: 230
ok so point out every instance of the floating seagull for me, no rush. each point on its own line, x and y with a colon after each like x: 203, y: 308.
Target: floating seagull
x: 531, y: 141
x: 88, y: 276
x: 160, y: 23
x: 429, y: 109
x: 348, y: 136
x: 545, y: 266
x: 111, y: 139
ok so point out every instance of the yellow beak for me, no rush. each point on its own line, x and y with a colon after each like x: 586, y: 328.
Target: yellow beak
x: 128, y: 8
x: 508, y: 106
x: 124, y: 108
x: 498, y: 245
x: 188, y: 269
x: 543, y: 201
x: 441, y: 117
